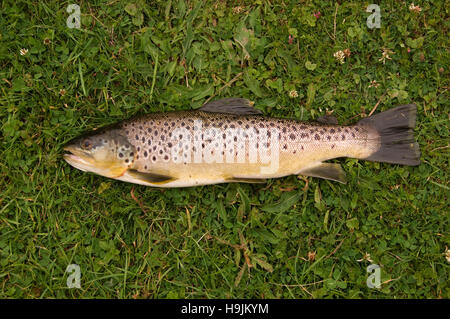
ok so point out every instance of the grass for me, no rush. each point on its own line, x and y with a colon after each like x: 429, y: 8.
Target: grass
x: 291, y: 238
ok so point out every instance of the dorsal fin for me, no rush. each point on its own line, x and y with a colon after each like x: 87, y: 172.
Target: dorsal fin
x: 327, y: 119
x: 232, y: 105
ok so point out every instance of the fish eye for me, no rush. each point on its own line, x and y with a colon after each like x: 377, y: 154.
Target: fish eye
x: 86, y: 144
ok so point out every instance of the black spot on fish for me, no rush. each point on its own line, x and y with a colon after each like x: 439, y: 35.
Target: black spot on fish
x: 137, y: 137
x: 127, y: 160
x: 120, y: 155
x: 303, y: 127
x: 235, y: 139
x: 143, y: 139
x: 353, y: 135
x: 304, y: 135
x: 328, y: 137
x: 332, y: 146
x: 343, y: 137
x: 285, y: 146
x: 166, y: 157
x: 356, y: 129
x: 292, y: 136
x: 169, y: 144
x: 332, y: 130
x: 145, y: 154
x: 317, y: 137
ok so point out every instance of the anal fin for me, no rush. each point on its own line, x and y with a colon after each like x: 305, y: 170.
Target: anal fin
x: 331, y: 171
x: 246, y: 180
x: 150, y: 177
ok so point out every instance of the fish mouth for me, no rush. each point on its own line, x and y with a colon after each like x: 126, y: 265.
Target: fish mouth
x: 77, y: 158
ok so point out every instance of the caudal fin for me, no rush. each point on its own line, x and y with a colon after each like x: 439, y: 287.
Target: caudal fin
x: 396, y: 130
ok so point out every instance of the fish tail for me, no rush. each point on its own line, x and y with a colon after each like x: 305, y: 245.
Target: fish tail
x: 395, y: 128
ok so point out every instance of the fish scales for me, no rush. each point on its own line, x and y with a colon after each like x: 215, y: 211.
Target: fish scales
x: 299, y: 143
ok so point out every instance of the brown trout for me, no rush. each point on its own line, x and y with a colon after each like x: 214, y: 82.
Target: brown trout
x: 230, y: 141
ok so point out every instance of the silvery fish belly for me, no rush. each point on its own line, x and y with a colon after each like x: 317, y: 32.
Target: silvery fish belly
x: 230, y: 141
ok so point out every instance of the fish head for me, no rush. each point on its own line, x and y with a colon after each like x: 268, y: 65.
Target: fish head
x: 104, y: 152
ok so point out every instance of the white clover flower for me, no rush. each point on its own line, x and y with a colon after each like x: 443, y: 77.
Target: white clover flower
x: 237, y: 10
x: 374, y: 84
x: 340, y: 56
x: 366, y: 257
x: 385, y: 55
x: 414, y: 8
x: 447, y: 254
x: 23, y: 51
x: 293, y: 94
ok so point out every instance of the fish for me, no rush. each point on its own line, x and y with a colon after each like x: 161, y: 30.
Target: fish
x: 229, y: 140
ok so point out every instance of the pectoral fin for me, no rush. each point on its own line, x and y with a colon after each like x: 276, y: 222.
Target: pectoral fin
x: 246, y: 180
x: 150, y: 177
x: 329, y: 171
